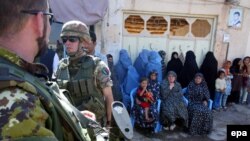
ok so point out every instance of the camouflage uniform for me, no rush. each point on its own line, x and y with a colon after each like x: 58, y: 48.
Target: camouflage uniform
x: 27, y: 114
x: 100, y: 78
x: 87, y: 75
x: 80, y: 85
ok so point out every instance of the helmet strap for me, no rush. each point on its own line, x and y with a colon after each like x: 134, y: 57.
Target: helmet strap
x: 79, y: 53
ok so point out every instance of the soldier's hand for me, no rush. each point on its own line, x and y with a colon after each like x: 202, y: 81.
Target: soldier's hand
x: 89, y: 115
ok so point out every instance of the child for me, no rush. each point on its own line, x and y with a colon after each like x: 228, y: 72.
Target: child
x: 144, y: 98
x: 220, y: 87
x: 228, y: 77
x: 154, y: 85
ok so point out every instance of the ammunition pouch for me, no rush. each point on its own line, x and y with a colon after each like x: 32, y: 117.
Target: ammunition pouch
x: 63, y: 71
x: 94, y: 105
x: 85, y: 96
x: 80, y: 80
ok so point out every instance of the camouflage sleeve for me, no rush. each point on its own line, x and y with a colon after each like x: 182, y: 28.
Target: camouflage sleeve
x: 103, y: 75
x: 22, y: 117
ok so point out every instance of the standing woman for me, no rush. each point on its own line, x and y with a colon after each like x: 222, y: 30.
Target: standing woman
x: 189, y: 69
x: 209, y: 70
x: 200, y: 117
x: 175, y: 64
x: 236, y: 81
x: 245, y: 76
x: 117, y: 94
x: 172, y: 106
x: 162, y: 53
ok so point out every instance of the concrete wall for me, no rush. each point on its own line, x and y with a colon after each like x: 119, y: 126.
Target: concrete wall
x: 110, y: 29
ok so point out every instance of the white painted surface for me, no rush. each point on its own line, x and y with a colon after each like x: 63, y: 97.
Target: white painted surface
x: 112, y: 25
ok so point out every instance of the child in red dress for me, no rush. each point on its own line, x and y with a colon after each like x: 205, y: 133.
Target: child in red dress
x: 144, y: 98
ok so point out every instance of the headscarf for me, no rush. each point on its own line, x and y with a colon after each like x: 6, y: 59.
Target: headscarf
x: 198, y: 92
x: 199, y: 75
x: 173, y: 74
x: 174, y: 64
x: 235, y: 68
x: 153, y: 72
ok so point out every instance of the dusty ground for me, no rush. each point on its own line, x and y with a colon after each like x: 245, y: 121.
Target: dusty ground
x: 234, y: 115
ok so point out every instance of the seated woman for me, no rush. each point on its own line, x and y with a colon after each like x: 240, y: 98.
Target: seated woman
x: 200, y: 117
x: 172, y: 106
x: 144, y: 110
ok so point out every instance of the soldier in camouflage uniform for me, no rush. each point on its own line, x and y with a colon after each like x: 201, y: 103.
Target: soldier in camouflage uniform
x: 86, y: 77
x: 29, y: 110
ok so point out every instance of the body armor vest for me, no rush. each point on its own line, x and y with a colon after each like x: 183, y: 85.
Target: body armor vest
x: 83, y: 87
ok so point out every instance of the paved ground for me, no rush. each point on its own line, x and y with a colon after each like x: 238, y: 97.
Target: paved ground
x: 234, y: 115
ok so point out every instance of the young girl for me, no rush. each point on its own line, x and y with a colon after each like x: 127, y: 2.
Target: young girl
x: 228, y: 77
x: 144, y: 98
x: 220, y: 87
x: 154, y: 85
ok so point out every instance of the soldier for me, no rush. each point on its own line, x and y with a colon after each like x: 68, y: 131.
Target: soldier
x: 29, y: 109
x: 85, y: 76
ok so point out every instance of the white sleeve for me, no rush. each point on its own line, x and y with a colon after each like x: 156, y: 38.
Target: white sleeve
x: 55, y: 65
x: 217, y: 84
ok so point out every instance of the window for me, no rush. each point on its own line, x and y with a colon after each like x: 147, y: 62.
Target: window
x: 157, y: 25
x: 134, y: 24
x: 179, y: 27
x: 201, y: 28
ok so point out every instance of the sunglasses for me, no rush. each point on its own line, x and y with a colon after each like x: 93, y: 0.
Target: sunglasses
x: 35, y: 12
x: 72, y: 39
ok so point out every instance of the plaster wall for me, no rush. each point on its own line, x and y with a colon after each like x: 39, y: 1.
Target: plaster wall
x: 109, y: 31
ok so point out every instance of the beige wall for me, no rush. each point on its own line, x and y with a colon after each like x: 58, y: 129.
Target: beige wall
x: 239, y: 45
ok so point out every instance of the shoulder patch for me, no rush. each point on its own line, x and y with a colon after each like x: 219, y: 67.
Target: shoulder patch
x: 105, y: 71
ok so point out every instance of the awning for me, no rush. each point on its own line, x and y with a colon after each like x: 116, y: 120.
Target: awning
x: 87, y: 11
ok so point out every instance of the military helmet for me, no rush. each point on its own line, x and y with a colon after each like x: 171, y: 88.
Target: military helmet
x: 76, y: 28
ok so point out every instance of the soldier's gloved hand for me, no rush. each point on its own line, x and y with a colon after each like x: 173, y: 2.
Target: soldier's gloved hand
x: 89, y: 115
